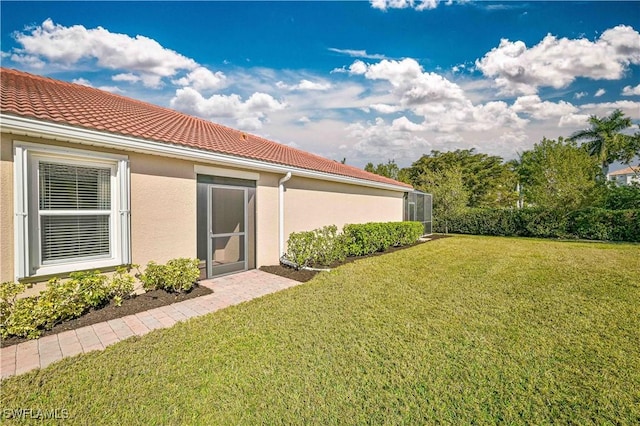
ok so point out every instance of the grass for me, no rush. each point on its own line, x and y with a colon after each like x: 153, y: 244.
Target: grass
x: 460, y: 330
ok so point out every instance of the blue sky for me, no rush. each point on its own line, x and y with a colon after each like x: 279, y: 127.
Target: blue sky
x: 365, y: 81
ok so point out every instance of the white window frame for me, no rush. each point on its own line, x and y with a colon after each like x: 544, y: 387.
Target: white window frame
x: 27, y: 214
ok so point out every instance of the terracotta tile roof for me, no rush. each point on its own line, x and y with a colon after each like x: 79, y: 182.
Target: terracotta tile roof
x: 628, y: 171
x: 56, y: 101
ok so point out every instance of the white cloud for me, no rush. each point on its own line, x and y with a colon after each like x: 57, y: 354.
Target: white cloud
x: 539, y: 110
x: 303, y: 85
x: 82, y: 81
x: 493, y: 115
x: 404, y: 4
x: 410, y: 83
x: 249, y: 115
x: 202, y: 79
x: 573, y: 120
x: 385, y: 109
x: 630, y: 108
x: 599, y: 93
x: 403, y: 124
x: 143, y: 59
x: 357, y: 53
x: 556, y: 63
x: 631, y: 91
x: 580, y: 95
x: 381, y: 140
x: 85, y: 82
x: 128, y: 77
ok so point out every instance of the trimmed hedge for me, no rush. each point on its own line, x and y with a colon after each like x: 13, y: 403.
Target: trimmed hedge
x: 592, y: 223
x: 325, y: 245
x: 366, y: 238
x: 601, y: 224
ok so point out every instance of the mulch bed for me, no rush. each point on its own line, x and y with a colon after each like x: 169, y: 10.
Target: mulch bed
x: 303, y: 275
x: 140, y: 303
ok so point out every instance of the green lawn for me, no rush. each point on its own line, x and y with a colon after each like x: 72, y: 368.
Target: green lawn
x: 460, y: 330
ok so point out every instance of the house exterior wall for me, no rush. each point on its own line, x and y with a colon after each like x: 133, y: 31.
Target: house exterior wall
x: 267, y: 220
x: 311, y: 203
x: 6, y: 208
x: 163, y: 208
x: 163, y: 202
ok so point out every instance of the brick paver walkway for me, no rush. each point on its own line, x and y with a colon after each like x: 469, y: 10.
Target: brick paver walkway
x: 227, y: 291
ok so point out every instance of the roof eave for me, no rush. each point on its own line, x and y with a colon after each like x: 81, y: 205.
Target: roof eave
x: 26, y: 126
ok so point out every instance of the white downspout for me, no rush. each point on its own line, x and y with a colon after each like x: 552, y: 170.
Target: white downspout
x: 281, y: 213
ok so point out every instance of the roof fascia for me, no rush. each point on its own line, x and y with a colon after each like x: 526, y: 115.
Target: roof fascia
x: 43, y: 129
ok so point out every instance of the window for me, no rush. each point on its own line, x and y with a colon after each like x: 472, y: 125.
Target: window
x: 72, y: 210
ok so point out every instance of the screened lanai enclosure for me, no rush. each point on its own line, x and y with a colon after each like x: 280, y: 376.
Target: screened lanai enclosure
x: 417, y: 207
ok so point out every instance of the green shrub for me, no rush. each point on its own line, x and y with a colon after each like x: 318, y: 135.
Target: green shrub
x: 60, y: 301
x: 329, y: 246
x: 366, y: 238
x: 121, y: 285
x: 326, y: 245
x: 622, y: 197
x: 25, y: 319
x: 322, y: 246
x: 92, y: 286
x: 178, y: 275
x: 591, y: 223
x: 8, y: 298
x: 300, y: 247
x: 601, y: 224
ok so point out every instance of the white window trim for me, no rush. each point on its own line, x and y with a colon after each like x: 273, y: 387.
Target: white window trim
x: 26, y: 223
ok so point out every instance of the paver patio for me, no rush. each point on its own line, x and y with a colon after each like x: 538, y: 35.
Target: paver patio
x: 228, y: 290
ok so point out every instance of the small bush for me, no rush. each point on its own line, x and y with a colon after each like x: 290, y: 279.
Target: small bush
x: 24, y: 320
x: 366, y: 238
x: 300, y: 247
x: 61, y: 301
x: 178, y: 275
x: 322, y: 247
x: 121, y: 285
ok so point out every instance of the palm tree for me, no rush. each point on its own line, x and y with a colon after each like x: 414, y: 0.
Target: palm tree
x: 603, y: 137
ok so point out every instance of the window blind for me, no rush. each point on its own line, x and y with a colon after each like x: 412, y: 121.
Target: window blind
x: 69, y: 187
x: 75, y: 211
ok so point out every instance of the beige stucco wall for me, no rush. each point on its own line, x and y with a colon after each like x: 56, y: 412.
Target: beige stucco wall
x: 6, y: 208
x: 163, y: 206
x: 267, y: 220
x: 311, y: 204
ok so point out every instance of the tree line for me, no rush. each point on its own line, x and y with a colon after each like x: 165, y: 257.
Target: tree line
x: 557, y: 176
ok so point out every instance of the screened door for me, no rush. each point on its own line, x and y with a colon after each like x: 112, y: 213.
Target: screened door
x: 227, y: 220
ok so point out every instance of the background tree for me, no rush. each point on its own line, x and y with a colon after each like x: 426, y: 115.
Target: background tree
x: 559, y: 176
x: 390, y: 169
x: 450, y: 196
x: 604, y: 140
x: 620, y: 197
x: 486, y: 178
